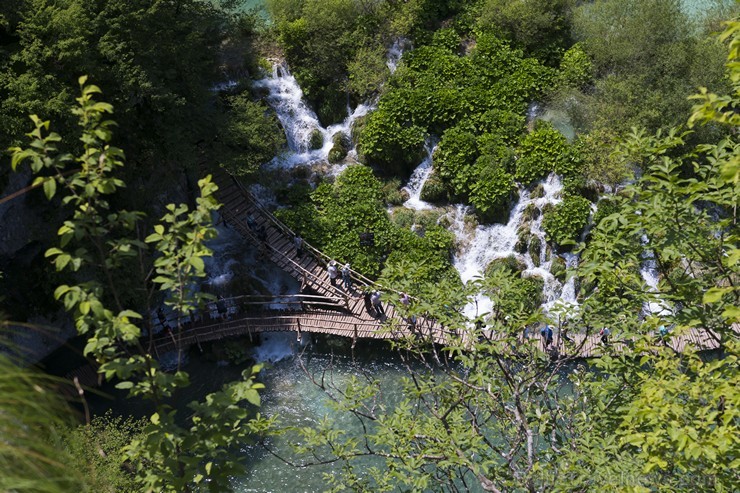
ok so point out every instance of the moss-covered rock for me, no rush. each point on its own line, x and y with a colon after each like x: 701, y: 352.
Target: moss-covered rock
x: 317, y: 140
x: 523, y: 243
x: 558, y: 268
x: 538, y: 191
x: 393, y: 193
x: 341, y: 146
x: 530, y: 213
x: 434, y: 190
x: 510, y: 263
x: 427, y: 218
x: 403, y: 217
x: 535, y: 245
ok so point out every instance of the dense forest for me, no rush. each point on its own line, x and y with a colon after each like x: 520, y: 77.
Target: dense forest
x: 114, y: 115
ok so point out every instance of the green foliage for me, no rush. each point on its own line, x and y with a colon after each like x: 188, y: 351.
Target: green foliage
x: 167, y: 456
x: 491, y: 411
x: 32, y: 417
x: 251, y: 138
x: 600, y: 161
x: 539, y: 27
x: 354, y: 204
x: 542, y: 151
x: 385, y: 142
x: 491, y: 188
x: 605, y: 208
x: 576, y: 68
x: 454, y: 158
x: 97, y: 451
x: 367, y: 71
x: 330, y: 47
x: 565, y: 222
x: 645, y: 70
x: 437, y: 90
x: 157, y: 78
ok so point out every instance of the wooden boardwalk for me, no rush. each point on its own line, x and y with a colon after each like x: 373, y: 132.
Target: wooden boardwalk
x: 276, y: 243
x: 357, y: 322
x: 336, y: 311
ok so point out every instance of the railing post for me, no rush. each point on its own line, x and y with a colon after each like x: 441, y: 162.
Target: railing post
x: 197, y: 341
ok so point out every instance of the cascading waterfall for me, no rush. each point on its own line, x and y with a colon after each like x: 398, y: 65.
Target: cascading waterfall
x: 395, y: 53
x: 478, y: 248
x: 488, y: 243
x: 299, y: 121
x: 418, y: 178
x: 649, y: 273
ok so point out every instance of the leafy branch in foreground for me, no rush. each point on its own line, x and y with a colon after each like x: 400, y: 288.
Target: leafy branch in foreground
x: 94, y: 244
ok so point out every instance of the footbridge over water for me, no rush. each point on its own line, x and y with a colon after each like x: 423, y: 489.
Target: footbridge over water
x: 325, y: 308
x: 331, y: 309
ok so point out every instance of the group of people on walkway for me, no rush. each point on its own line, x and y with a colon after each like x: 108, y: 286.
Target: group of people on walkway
x: 345, y: 272
x: 546, y: 333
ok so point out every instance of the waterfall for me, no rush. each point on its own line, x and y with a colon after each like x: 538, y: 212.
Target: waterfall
x: 418, y: 178
x: 395, y: 53
x: 649, y: 273
x: 496, y: 241
x: 286, y: 98
x: 299, y: 121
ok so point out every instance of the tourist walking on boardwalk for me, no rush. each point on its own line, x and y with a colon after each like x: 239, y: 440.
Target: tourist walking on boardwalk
x: 405, y: 300
x: 251, y: 223
x: 298, y: 242
x: 546, y: 333
x: 605, y: 333
x: 221, y: 307
x: 333, y: 273
x: 377, y: 305
x: 347, y: 277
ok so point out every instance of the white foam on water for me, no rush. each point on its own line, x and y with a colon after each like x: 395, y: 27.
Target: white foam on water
x: 277, y: 346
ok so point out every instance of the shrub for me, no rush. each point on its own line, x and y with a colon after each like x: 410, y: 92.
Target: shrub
x: 565, y: 222
x: 541, y: 152
x: 456, y: 153
x: 384, y: 142
x: 576, y: 68
x: 492, y: 187
x: 434, y: 190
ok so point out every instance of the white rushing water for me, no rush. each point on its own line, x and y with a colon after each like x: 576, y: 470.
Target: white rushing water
x: 395, y: 53
x: 418, y: 178
x: 299, y: 121
x: 489, y: 242
x: 649, y: 273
